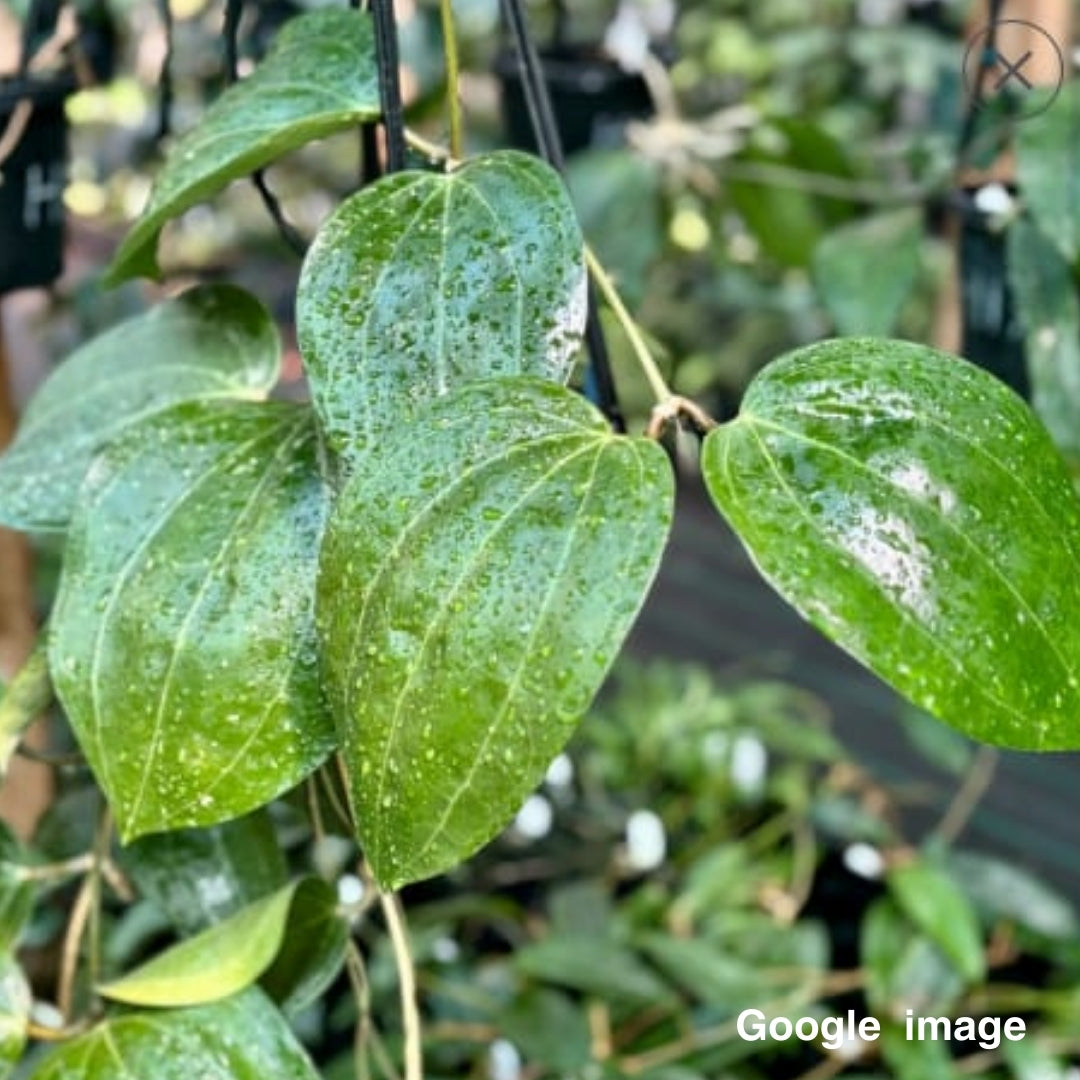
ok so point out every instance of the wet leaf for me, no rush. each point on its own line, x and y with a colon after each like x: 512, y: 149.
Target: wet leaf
x: 200, y: 876
x: 240, y: 1038
x: 477, y: 579
x: 15, y: 1002
x: 215, y: 341
x: 1047, y: 174
x: 22, y: 701
x: 1045, y: 293
x: 421, y: 282
x: 182, y: 644
x: 230, y: 955
x: 912, y: 508
x: 937, y: 907
x: 318, y: 78
x: 863, y: 292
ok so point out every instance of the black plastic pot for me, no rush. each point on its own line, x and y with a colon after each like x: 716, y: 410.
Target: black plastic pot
x: 593, y: 98
x: 992, y: 335
x: 34, y: 175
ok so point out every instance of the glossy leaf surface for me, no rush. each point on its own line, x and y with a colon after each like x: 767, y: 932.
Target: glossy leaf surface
x: 182, y: 644
x: 421, y: 282
x: 198, y: 877
x: 215, y: 341
x: 1047, y: 305
x: 228, y: 956
x: 912, y: 507
x: 864, y: 291
x: 240, y: 1038
x: 477, y: 579
x: 319, y: 77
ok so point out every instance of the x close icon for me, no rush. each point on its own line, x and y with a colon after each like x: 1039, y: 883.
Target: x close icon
x: 1018, y: 58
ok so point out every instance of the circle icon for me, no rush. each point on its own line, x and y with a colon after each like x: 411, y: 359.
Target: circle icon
x: 1015, y: 60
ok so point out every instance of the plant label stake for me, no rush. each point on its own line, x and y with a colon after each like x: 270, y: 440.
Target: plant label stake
x: 32, y: 188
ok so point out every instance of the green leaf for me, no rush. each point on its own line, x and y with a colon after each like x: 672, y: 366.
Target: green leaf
x: 200, y: 876
x: 15, y: 1002
x: 183, y: 645
x: 240, y: 1038
x: 593, y: 966
x: 477, y: 580
x: 1001, y: 890
x: 915, y: 1059
x: 912, y: 508
x: 904, y: 968
x: 937, y: 907
x: 421, y: 283
x: 548, y: 1029
x: 318, y: 78
x: 864, y: 292
x: 16, y: 893
x: 1048, y: 171
x: 24, y: 699
x: 228, y: 956
x: 215, y: 341
x: 1045, y: 293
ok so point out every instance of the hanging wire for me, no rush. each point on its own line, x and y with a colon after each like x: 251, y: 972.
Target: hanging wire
x: 165, y: 77
x: 599, y: 381
x: 386, y: 53
x: 234, y: 11
x: 987, y: 60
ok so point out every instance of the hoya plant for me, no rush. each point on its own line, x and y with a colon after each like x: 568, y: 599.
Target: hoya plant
x: 408, y: 590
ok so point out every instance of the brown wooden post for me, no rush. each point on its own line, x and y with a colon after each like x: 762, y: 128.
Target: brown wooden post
x: 28, y: 788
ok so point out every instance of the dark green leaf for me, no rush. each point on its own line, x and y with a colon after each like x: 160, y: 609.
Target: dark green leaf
x: 240, y: 1038
x: 1045, y: 293
x: 200, y: 876
x: 936, y: 906
x: 215, y: 341
x: 913, y: 508
x: 23, y: 700
x: 477, y: 580
x: 1048, y: 173
x: 182, y: 644
x: 864, y: 291
x: 593, y: 966
x: 230, y: 955
x: 940, y: 745
x: 319, y: 77
x: 421, y: 283
x: 15, y: 1001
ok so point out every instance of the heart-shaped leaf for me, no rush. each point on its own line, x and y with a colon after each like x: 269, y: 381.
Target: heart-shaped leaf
x: 232, y: 954
x: 913, y: 508
x: 420, y: 283
x: 240, y: 1038
x: 215, y: 341
x: 477, y: 579
x: 319, y: 77
x: 182, y: 643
